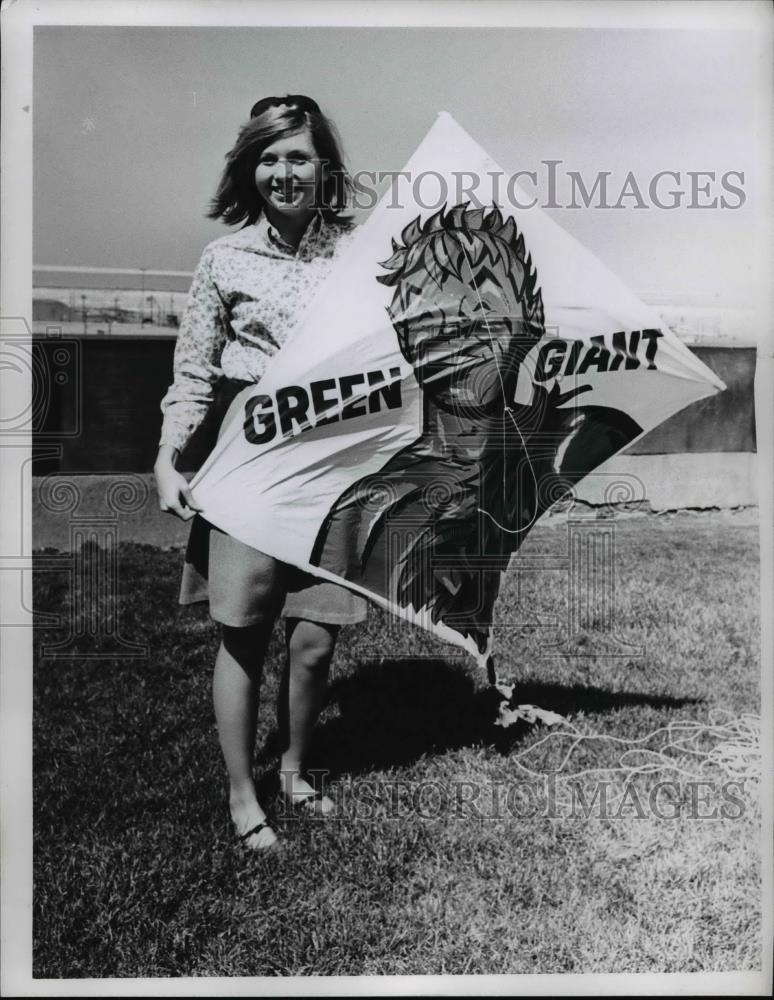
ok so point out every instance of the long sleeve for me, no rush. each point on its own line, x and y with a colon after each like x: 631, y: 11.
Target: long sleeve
x: 196, y: 360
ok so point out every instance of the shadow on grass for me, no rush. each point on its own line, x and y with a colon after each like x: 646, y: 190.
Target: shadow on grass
x: 393, y: 712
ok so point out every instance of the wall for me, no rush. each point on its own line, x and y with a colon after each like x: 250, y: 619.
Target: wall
x: 724, y: 422
x: 97, y: 400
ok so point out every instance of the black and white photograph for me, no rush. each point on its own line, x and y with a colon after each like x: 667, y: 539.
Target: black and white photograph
x: 387, y: 454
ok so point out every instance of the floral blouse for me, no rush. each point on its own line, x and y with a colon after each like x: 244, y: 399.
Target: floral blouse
x: 249, y: 290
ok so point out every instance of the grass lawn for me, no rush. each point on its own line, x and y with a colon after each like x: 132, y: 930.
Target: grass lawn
x: 460, y: 847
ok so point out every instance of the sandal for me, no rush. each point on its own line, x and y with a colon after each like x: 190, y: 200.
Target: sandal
x: 270, y: 843
x: 314, y: 801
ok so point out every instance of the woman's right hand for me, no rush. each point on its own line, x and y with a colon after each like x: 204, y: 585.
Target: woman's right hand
x: 175, y: 495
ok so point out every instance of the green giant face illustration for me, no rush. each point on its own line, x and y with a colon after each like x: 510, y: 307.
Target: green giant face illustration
x: 465, y: 307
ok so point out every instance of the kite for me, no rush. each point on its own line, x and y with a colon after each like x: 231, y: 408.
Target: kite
x: 463, y: 367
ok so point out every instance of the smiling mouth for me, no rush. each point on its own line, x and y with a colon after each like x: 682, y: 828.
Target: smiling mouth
x: 285, y: 194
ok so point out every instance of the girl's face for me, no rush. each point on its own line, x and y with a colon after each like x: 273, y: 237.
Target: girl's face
x: 288, y: 175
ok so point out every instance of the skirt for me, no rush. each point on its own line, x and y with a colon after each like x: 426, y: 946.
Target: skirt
x: 237, y: 579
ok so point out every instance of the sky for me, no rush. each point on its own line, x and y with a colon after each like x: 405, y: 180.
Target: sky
x: 131, y: 126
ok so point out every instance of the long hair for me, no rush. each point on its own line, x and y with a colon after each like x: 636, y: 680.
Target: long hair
x: 237, y: 200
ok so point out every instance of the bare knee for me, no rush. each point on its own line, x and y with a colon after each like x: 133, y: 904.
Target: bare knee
x: 246, y: 644
x: 311, y: 644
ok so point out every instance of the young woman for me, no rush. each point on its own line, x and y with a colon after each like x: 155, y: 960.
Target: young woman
x: 286, y: 182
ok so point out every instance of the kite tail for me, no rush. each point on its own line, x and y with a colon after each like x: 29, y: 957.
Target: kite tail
x: 505, y: 691
x: 508, y: 711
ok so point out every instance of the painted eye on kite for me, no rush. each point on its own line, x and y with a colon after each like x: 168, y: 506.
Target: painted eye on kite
x: 425, y: 318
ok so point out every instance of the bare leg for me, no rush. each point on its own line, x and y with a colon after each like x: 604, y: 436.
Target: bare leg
x: 235, y: 689
x: 302, y: 696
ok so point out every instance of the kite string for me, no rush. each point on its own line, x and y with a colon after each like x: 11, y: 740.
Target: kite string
x: 736, y: 751
x: 508, y: 410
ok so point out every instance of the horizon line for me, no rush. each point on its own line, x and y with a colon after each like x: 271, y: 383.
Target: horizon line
x: 82, y: 269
